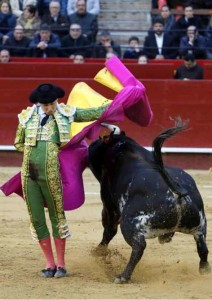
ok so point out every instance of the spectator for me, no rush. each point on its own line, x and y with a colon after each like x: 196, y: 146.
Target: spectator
x: 208, y: 35
x: 87, y: 21
x: 4, y: 56
x: 59, y: 23
x: 157, y: 44
x: 202, y: 4
x: 92, y: 6
x: 161, y: 3
x: 168, y: 18
x: 189, y: 70
x: 45, y: 43
x: 30, y: 21
x: 43, y: 7
x: 134, y: 50
x: 7, y: 19
x: 19, y: 5
x: 106, y: 44
x: 193, y: 43
x: 79, y: 58
x: 17, y: 43
x: 142, y: 60
x: 184, y: 22
x: 75, y: 42
x: 177, y: 4
x: 110, y: 54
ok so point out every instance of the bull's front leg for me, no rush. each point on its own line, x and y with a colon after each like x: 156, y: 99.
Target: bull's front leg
x: 110, y: 221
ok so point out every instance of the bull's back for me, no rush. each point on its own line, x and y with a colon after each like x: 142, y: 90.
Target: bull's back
x: 144, y: 194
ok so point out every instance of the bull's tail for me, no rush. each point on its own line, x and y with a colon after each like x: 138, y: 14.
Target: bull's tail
x: 157, y: 144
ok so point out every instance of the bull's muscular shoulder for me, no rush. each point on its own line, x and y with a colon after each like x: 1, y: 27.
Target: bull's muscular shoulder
x: 66, y: 110
x: 26, y: 114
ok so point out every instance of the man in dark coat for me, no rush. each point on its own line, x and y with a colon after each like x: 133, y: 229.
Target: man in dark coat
x: 75, y: 42
x: 193, y: 43
x: 189, y: 70
x: 45, y: 43
x: 106, y: 45
x: 159, y: 45
x: 88, y: 21
x: 17, y: 43
x: 59, y: 23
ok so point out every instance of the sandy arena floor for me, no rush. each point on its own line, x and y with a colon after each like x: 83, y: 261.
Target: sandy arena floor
x: 167, y: 271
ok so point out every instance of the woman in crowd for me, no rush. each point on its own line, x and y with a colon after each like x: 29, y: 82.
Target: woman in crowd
x: 30, y: 21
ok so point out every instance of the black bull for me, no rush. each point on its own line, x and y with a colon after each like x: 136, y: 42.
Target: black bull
x: 147, y: 199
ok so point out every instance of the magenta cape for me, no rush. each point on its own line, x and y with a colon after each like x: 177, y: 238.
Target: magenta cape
x: 131, y: 102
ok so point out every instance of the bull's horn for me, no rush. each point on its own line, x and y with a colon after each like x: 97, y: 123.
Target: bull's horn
x: 114, y: 128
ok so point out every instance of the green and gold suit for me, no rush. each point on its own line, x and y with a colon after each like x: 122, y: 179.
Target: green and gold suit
x: 40, y: 174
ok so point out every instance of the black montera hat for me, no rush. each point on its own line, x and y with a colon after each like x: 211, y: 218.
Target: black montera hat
x: 46, y: 93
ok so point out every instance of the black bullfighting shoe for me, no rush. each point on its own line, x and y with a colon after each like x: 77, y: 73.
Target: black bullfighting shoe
x: 61, y: 272
x: 48, y: 273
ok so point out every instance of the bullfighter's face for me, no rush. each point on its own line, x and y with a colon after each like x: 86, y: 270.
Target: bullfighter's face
x: 49, y: 108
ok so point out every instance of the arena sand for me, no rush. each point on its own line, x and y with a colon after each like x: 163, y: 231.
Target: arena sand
x: 167, y: 271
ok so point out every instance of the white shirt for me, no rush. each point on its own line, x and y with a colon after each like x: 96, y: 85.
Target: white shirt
x: 41, y: 113
x: 159, y: 42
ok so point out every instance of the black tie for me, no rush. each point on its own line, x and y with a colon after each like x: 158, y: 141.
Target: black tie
x: 44, y: 120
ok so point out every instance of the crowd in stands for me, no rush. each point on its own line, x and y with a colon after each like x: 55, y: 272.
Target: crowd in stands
x: 67, y: 28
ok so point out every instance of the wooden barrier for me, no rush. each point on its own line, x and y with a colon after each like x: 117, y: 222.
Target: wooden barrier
x: 168, y: 98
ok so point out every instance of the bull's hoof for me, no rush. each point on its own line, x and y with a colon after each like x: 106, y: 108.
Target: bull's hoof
x: 120, y: 280
x: 100, y: 250
x: 204, y: 268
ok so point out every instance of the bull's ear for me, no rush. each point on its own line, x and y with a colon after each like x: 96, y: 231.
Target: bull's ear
x: 123, y: 133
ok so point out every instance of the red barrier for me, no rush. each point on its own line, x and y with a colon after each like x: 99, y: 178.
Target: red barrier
x: 87, y: 70
x: 56, y: 59
x: 50, y: 69
x: 207, y: 71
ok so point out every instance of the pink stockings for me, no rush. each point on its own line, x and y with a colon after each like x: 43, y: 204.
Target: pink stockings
x: 60, y: 245
x: 46, y: 247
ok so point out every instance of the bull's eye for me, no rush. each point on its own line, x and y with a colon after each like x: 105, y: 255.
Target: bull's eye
x: 106, y: 139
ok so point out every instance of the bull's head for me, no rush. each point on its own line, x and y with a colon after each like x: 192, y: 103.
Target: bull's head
x: 114, y: 130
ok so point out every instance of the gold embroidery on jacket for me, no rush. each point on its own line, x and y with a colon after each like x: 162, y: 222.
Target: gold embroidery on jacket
x: 55, y: 186
x: 29, y: 120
